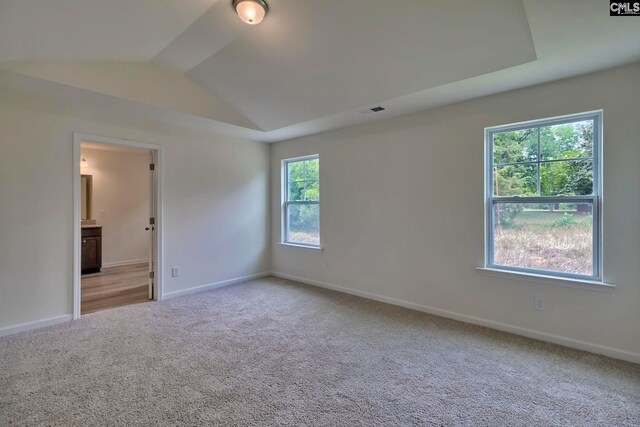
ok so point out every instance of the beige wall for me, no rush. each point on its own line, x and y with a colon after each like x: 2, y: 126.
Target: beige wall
x: 120, y: 202
x: 214, y: 205
x: 402, y: 214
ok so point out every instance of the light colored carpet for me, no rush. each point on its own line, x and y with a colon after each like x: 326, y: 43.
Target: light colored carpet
x: 273, y: 352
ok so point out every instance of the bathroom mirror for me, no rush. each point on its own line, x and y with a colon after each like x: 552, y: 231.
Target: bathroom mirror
x: 85, y: 188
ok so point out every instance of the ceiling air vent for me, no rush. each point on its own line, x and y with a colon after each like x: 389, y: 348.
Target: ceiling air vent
x: 377, y: 109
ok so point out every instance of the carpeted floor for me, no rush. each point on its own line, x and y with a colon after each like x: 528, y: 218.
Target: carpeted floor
x: 273, y: 352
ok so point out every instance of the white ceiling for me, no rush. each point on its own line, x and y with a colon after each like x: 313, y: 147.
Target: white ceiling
x: 312, y: 59
x: 314, y: 65
x: 214, y: 30
x: 93, y: 30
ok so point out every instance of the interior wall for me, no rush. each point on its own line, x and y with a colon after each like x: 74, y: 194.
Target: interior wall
x: 120, y: 203
x: 215, y: 216
x: 402, y: 213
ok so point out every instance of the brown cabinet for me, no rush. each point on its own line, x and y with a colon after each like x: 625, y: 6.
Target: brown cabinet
x: 91, y: 249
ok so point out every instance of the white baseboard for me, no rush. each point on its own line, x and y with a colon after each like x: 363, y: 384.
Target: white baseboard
x: 37, y: 324
x: 530, y: 333
x: 215, y: 285
x: 123, y: 263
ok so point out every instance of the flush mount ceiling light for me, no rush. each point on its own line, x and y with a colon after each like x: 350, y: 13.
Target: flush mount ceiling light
x: 251, y: 11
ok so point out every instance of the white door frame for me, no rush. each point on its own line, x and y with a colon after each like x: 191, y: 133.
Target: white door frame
x: 77, y: 211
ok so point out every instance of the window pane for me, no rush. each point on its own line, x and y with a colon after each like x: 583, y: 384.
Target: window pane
x: 515, y: 146
x: 569, y: 178
x: 303, y: 224
x: 313, y: 170
x: 296, y: 191
x: 550, y: 236
x: 567, y: 141
x: 303, y: 180
x: 515, y: 180
x: 295, y: 171
x: 312, y: 191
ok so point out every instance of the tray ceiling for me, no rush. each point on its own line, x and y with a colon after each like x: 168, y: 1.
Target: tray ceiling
x: 311, y: 59
x: 312, y: 65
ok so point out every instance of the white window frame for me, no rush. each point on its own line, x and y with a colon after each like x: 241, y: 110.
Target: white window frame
x: 595, y: 199
x: 286, y: 202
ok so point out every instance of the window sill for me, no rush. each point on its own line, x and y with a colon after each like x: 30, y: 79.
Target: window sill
x: 297, y: 245
x: 568, y: 282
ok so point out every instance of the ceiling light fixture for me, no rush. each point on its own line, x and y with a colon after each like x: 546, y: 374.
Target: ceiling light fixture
x: 251, y: 11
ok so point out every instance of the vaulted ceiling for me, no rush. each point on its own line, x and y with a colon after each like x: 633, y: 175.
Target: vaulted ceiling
x: 311, y: 65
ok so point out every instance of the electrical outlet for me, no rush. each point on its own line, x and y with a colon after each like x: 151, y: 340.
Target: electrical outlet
x: 175, y: 271
x: 538, y: 303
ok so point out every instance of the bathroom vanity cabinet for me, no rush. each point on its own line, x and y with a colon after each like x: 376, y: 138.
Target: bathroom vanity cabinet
x: 91, y: 249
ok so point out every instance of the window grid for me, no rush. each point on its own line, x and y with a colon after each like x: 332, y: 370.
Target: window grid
x: 593, y: 199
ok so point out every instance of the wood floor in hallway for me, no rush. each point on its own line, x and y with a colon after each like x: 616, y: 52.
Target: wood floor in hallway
x: 115, y: 287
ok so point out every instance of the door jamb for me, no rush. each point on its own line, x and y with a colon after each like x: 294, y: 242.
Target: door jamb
x: 77, y: 229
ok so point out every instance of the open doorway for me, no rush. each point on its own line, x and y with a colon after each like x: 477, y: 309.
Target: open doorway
x: 116, y: 222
